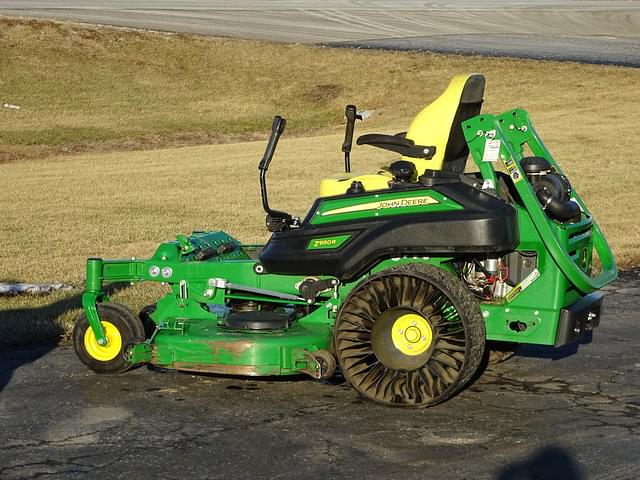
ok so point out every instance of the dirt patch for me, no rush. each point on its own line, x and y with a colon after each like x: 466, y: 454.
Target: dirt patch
x: 324, y: 93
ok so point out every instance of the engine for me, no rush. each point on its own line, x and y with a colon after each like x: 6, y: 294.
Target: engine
x: 498, y: 277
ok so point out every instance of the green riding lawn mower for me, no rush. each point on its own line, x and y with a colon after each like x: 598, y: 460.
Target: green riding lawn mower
x: 398, y: 278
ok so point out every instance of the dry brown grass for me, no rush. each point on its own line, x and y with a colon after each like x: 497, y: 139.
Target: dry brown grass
x: 128, y: 87
x: 84, y: 88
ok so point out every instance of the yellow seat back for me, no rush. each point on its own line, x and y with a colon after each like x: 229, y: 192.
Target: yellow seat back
x: 438, y: 123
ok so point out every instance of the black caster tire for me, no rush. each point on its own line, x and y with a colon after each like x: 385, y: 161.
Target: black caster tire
x: 410, y: 335
x: 121, y: 326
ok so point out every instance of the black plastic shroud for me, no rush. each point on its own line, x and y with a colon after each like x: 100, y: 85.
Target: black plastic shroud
x: 486, y: 224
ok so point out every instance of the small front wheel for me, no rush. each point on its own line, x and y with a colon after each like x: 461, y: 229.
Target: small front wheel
x: 120, y: 325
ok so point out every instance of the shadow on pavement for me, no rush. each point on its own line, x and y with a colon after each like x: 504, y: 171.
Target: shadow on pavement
x: 28, y: 334
x: 554, y: 353
x: 548, y: 463
x: 9, y: 362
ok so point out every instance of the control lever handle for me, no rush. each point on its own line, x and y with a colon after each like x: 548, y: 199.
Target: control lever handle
x: 277, y: 127
x: 351, y: 115
x: 276, y: 220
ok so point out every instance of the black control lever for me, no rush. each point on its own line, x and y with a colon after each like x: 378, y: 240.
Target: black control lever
x: 276, y: 220
x: 351, y: 116
x: 277, y: 127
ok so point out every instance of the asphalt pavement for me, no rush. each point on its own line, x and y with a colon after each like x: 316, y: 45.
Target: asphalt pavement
x: 595, y: 31
x: 545, y: 414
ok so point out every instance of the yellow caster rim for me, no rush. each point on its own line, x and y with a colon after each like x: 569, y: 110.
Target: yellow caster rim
x: 103, y: 353
x: 412, y: 334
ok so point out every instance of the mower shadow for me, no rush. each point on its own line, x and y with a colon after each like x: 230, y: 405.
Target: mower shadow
x: 27, y: 334
x: 530, y: 351
x: 554, y: 353
x: 548, y: 463
x: 11, y: 361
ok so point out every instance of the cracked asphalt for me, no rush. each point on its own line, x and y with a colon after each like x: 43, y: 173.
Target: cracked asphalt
x: 544, y: 414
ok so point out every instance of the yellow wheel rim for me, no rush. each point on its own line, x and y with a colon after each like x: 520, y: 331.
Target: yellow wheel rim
x: 412, y: 334
x: 103, y: 353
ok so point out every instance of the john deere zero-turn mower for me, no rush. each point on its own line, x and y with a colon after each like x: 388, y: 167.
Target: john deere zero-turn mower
x: 399, y: 276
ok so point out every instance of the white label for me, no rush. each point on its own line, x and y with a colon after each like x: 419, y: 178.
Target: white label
x: 517, y: 290
x: 488, y: 184
x: 491, y: 150
x: 533, y: 276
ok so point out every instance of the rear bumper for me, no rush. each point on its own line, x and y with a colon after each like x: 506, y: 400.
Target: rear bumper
x: 579, y: 317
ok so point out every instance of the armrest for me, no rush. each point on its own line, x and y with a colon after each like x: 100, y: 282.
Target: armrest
x: 397, y: 144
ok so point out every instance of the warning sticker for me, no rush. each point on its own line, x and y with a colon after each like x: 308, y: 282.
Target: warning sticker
x: 532, y: 277
x: 491, y: 150
x: 512, y: 168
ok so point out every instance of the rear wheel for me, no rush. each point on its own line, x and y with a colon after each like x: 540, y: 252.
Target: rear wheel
x: 410, y: 336
x: 121, y: 327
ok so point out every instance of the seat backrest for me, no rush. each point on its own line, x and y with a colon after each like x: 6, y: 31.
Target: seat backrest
x: 439, y: 124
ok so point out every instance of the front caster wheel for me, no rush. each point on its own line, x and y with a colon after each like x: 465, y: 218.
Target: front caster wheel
x: 121, y: 326
x: 409, y: 336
